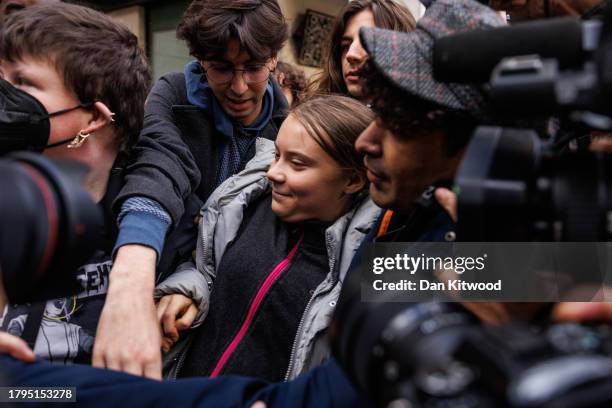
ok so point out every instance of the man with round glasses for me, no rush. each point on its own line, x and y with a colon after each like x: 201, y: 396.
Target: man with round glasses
x: 200, y: 128
x: 238, y: 90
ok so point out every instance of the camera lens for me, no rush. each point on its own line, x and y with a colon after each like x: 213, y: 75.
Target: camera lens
x: 50, y: 227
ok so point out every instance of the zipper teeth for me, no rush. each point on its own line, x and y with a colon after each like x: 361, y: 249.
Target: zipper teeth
x: 297, y: 335
x: 179, y: 364
x: 299, y: 330
x: 272, y: 277
x: 200, y: 262
x: 200, y: 266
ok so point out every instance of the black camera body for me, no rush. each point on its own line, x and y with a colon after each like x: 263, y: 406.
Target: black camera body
x: 518, y: 183
x: 514, y: 186
x: 540, y: 183
x: 50, y: 226
x: 436, y: 354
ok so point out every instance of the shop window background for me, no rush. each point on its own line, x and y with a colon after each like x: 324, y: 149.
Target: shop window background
x: 166, y: 52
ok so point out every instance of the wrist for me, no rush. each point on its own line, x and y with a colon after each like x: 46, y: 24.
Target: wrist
x: 133, y: 269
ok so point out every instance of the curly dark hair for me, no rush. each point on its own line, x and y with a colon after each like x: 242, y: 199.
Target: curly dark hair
x: 292, y: 77
x: 407, y: 115
x: 388, y: 14
x: 209, y: 25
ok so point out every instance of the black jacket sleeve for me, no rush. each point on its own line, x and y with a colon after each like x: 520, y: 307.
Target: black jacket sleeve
x: 164, y: 168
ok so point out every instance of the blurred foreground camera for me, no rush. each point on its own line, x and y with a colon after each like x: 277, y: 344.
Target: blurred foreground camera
x: 49, y: 227
x: 527, y: 176
x: 514, y: 186
x: 438, y: 355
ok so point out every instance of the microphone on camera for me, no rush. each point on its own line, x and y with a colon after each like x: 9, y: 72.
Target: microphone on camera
x: 471, y: 56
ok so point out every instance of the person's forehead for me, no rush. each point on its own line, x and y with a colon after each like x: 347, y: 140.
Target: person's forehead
x: 40, y: 69
x: 22, y: 3
x: 236, y: 54
x: 293, y: 136
x: 30, y: 63
x: 8, y: 6
x: 364, y: 18
x: 292, y: 133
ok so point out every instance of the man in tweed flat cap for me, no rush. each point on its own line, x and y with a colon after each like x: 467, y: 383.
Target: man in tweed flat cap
x: 423, y: 125
x: 419, y: 137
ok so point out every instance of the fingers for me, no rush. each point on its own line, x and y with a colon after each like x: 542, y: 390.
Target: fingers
x: 128, y: 338
x: 168, y: 321
x: 448, y: 200
x: 139, y: 363
x: 188, y: 317
x: 167, y: 343
x: 153, y: 370
x: 97, y: 358
x: 101, y: 359
x: 161, y: 307
x: 132, y: 367
x: 16, y: 348
x: 176, y: 313
x: 601, y: 143
x: 166, y: 318
x: 583, y: 311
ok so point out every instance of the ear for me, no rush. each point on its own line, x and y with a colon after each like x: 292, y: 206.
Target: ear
x: 355, y: 183
x: 274, y: 61
x: 101, y: 116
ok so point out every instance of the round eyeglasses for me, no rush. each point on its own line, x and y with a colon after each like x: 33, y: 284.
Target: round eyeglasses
x: 223, y: 74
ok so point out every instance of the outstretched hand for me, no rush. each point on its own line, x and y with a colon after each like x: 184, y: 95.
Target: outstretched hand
x: 128, y: 337
x: 175, y: 313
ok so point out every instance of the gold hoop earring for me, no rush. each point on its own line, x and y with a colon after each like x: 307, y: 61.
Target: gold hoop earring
x: 78, y: 140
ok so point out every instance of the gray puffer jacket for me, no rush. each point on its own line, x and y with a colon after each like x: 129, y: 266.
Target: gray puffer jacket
x: 221, y: 218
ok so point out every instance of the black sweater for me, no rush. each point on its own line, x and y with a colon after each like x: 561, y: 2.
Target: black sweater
x: 176, y: 153
x: 256, y: 338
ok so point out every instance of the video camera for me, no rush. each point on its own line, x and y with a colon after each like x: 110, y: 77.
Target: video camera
x: 49, y: 227
x: 519, y: 182
x: 526, y: 176
x: 437, y: 355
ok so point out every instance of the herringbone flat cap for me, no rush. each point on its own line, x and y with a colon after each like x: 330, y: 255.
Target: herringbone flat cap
x: 406, y: 58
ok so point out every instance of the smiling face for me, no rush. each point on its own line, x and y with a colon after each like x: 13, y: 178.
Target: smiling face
x: 40, y: 79
x: 353, y: 54
x: 240, y: 100
x: 307, y: 184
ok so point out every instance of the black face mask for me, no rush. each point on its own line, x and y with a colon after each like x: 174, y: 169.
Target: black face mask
x: 24, y: 121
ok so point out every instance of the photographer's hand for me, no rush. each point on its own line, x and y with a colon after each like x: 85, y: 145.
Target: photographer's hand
x: 128, y: 336
x: 10, y: 344
x: 583, y: 312
x: 448, y: 200
x: 16, y: 347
